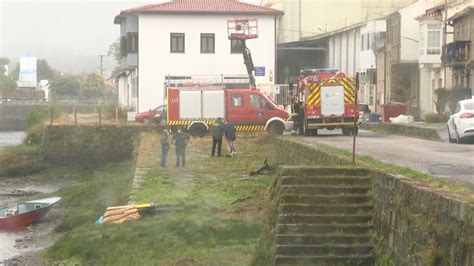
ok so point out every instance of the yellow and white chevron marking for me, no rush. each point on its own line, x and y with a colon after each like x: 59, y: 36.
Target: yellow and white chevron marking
x: 189, y: 122
x: 249, y: 128
x: 315, y: 90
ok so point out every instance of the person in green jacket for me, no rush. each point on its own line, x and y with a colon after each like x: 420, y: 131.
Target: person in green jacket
x: 217, y: 133
x: 180, y: 140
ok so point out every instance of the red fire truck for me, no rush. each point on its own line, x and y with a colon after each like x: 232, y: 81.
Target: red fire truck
x: 329, y: 101
x: 197, y: 108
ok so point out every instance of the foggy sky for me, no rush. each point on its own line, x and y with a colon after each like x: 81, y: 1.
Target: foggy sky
x: 69, y: 34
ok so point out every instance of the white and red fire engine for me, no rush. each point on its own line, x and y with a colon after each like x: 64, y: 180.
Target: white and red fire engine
x: 328, y: 101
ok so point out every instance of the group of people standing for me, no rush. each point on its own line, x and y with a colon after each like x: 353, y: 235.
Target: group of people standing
x: 180, y: 139
x: 223, y: 129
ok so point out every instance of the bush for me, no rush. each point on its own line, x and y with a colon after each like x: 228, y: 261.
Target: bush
x: 110, y: 110
x: 89, y: 145
x: 20, y: 161
x: 435, y: 118
x: 37, y: 115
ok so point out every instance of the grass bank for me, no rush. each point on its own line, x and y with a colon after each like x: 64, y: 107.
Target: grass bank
x: 445, y: 187
x: 421, y: 131
x: 213, y: 214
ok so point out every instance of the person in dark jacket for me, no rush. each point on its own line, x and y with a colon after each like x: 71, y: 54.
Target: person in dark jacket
x: 217, y: 133
x: 230, y: 136
x: 180, y: 140
x: 165, y: 147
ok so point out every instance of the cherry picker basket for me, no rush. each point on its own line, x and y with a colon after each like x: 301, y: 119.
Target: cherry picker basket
x: 242, y: 29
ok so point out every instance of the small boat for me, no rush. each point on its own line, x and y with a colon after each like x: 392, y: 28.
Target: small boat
x: 25, y: 213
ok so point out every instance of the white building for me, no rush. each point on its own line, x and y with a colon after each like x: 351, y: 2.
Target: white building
x: 183, y: 38
x: 432, y: 71
x: 373, y: 37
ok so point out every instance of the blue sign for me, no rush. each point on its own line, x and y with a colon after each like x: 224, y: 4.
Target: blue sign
x: 260, y: 71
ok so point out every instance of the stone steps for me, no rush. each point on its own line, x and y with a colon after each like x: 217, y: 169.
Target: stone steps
x: 324, y: 190
x: 324, y: 218
x: 291, y: 218
x: 339, y: 229
x: 327, y: 180
x: 326, y: 208
x: 326, y: 199
x: 320, y: 239
x: 328, y: 260
x: 325, y: 249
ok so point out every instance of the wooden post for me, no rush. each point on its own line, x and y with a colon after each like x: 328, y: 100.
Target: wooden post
x: 100, y: 116
x: 51, y: 115
x: 355, y: 129
x: 75, y: 116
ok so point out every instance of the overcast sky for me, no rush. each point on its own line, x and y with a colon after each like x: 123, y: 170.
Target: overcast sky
x: 68, y: 33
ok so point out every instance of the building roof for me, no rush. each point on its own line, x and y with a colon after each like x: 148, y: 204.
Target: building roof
x: 434, y: 12
x: 464, y: 12
x: 233, y: 7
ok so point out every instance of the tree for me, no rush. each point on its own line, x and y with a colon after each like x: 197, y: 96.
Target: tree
x: 66, y: 88
x: 93, y: 87
x: 7, y: 84
x: 114, y: 50
x: 3, y: 62
x: 44, y: 70
x: 442, y: 97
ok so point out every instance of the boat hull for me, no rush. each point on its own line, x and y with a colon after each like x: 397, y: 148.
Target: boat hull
x: 22, y: 220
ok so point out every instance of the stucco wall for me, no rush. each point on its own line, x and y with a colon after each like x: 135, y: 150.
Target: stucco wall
x: 156, y: 61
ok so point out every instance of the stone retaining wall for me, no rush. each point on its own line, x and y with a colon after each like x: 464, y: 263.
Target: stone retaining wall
x: 414, y: 224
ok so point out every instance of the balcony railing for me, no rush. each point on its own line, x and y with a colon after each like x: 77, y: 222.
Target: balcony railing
x: 456, y: 53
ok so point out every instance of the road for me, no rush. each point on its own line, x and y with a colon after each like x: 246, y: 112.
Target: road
x: 454, y: 162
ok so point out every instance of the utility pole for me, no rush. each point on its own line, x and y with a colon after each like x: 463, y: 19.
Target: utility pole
x: 445, y: 40
x: 101, y: 64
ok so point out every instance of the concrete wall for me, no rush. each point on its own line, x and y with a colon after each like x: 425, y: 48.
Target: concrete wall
x: 156, y: 61
x: 416, y: 225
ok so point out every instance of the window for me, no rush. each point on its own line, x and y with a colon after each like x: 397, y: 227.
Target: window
x: 257, y: 101
x: 132, y: 43
x: 434, y: 39
x: 237, y: 100
x: 236, y: 46
x: 177, y: 42
x: 123, y: 46
x: 207, y: 43
x: 362, y: 45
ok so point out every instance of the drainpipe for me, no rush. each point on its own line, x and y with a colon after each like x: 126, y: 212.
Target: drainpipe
x: 299, y: 16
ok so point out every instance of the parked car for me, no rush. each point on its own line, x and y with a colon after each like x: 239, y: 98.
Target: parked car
x: 153, y: 115
x: 461, y: 123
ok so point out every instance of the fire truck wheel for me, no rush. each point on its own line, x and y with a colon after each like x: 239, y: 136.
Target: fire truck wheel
x: 198, y: 130
x: 146, y: 121
x: 276, y: 128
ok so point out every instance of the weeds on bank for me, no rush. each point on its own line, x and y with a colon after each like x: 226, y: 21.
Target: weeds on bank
x: 219, y: 222
x: 20, y: 160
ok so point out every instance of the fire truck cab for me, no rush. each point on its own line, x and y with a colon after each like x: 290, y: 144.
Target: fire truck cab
x: 328, y: 101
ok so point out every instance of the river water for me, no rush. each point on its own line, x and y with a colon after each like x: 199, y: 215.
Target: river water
x: 10, y: 138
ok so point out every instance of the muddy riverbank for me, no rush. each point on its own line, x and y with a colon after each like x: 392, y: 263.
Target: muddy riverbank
x: 23, y: 247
